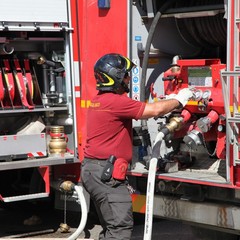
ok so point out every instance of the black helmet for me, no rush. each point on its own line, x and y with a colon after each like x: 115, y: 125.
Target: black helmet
x: 110, y: 71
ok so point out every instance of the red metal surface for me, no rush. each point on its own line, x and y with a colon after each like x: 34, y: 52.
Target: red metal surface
x: 181, y: 81
x: 1, y: 88
x: 97, y: 32
x: 19, y: 78
x: 214, y: 109
x: 44, y: 171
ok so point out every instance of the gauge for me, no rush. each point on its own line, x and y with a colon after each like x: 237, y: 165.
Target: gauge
x: 206, y: 94
x: 197, y: 94
x: 221, y: 128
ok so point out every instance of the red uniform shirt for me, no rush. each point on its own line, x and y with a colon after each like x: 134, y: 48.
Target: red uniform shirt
x: 109, y: 125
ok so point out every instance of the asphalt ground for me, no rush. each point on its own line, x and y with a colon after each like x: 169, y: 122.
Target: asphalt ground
x: 14, y: 216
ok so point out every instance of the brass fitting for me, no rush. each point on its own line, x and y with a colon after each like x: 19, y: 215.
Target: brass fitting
x: 64, y: 228
x: 174, y: 124
x: 41, y: 60
x: 67, y: 186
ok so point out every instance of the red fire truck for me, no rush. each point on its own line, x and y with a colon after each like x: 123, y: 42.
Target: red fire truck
x: 48, y: 50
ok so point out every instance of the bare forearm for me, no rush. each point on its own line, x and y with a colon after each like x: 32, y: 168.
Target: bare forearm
x: 159, y: 108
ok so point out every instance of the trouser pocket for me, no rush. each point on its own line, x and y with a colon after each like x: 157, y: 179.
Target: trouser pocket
x: 121, y: 209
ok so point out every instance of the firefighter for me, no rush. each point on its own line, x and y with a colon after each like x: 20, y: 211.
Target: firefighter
x: 108, y: 149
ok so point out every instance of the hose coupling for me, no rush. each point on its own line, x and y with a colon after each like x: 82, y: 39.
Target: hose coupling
x: 174, y: 124
x: 67, y: 186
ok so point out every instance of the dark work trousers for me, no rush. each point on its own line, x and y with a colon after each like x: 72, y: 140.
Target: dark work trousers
x: 112, y: 201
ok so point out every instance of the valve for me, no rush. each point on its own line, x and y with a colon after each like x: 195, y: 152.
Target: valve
x: 195, y: 137
x: 205, y: 123
x: 174, y: 71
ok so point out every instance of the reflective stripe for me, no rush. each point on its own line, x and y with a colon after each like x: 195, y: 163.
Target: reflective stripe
x: 139, y: 203
x: 110, y: 83
x: 85, y: 103
x: 128, y: 63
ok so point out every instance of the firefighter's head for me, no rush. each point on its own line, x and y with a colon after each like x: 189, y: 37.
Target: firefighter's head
x: 110, y: 71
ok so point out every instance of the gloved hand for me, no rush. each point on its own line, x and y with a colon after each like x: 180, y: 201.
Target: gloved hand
x: 183, y: 96
x: 170, y: 96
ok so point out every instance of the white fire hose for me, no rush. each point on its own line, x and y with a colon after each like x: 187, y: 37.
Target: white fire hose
x: 68, y: 186
x: 84, y: 210
x: 151, y: 186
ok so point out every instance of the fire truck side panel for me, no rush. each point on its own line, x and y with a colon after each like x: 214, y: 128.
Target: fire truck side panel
x: 47, y: 82
x: 101, y: 31
x: 194, y: 44
x: 37, y: 112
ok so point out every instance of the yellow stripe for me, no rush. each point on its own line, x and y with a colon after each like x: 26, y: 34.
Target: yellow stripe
x: 231, y: 109
x: 128, y: 63
x: 195, y: 103
x: 110, y: 83
x: 85, y: 103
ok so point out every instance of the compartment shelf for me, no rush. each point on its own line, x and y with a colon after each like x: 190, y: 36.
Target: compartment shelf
x: 26, y: 110
x: 47, y: 161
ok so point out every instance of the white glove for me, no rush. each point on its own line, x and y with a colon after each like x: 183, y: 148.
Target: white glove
x: 170, y: 96
x: 183, y: 96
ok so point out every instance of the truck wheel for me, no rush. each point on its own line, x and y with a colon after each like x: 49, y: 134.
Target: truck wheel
x: 209, y: 234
